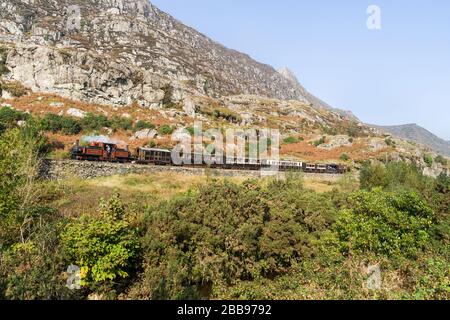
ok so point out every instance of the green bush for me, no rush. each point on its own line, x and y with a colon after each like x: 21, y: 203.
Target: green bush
x: 428, y: 159
x: 290, y: 140
x: 344, y: 157
x: 9, y: 117
x: 104, y: 247
x: 390, y: 142
x: 93, y: 122
x: 141, y: 125
x: 166, y: 130
x: 120, y: 123
x: 393, y: 176
x: 225, y: 232
x: 390, y: 224
x: 56, y: 123
x: 34, y: 270
x: 319, y: 142
x: 440, y: 159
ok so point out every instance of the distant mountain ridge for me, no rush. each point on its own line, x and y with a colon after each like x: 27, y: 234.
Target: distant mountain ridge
x: 418, y: 134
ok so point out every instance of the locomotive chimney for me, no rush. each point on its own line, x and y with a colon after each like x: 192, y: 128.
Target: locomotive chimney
x: 77, y: 143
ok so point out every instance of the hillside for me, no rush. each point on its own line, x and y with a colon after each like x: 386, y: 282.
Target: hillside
x: 416, y: 133
x: 128, y: 71
x: 127, y: 51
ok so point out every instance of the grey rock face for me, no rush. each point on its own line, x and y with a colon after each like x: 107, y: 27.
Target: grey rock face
x: 125, y: 51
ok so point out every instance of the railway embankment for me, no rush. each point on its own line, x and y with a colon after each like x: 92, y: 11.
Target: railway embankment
x: 63, y: 169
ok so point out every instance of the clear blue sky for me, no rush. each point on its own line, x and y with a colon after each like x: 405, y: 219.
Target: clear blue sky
x: 398, y: 75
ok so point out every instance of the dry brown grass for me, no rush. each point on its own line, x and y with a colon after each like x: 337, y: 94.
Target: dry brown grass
x: 76, y: 196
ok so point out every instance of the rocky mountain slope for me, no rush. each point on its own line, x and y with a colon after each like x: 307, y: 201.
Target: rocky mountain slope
x: 128, y: 62
x: 124, y: 51
x: 416, y: 133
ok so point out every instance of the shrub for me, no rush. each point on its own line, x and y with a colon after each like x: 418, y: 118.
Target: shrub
x: 92, y: 122
x: 393, y: 176
x: 428, y: 159
x: 440, y: 159
x: 390, y: 142
x: 165, y: 130
x: 56, y: 123
x: 319, y: 142
x: 9, y: 117
x: 390, y: 224
x: 344, y: 157
x: 141, y: 125
x: 120, y: 123
x: 15, y: 88
x: 223, y: 233
x: 104, y: 247
x: 19, y: 163
x: 290, y: 140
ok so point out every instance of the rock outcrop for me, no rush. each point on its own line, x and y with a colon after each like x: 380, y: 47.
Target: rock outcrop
x: 121, y: 52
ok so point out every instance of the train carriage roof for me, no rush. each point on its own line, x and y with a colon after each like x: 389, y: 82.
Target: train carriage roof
x: 155, y: 149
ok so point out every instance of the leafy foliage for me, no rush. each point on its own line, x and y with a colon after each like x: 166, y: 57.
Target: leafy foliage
x: 141, y: 125
x: 385, y: 223
x: 428, y: 158
x: 165, y: 130
x: 224, y: 233
x: 104, y: 247
x: 120, y: 123
x: 93, y: 122
x: 56, y: 123
x: 290, y: 140
x: 9, y: 117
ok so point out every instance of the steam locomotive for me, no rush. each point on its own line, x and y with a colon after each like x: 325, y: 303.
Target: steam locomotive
x: 109, y: 152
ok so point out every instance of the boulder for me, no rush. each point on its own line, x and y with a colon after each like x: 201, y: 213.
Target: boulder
x: 77, y: 113
x: 56, y: 104
x: 189, y: 107
x: 145, y: 134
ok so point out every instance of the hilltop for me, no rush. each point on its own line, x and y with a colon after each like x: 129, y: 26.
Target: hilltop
x: 418, y: 134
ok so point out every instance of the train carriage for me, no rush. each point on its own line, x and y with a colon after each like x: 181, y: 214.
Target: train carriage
x: 99, y: 151
x: 153, y: 156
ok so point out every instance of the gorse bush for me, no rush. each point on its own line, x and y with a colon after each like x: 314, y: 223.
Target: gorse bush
x: 165, y: 130
x: 428, y: 159
x: 120, y: 123
x: 9, y: 117
x: 141, y: 124
x: 391, y: 224
x: 93, y: 122
x: 56, y: 123
x: 290, y: 140
x: 226, y: 232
